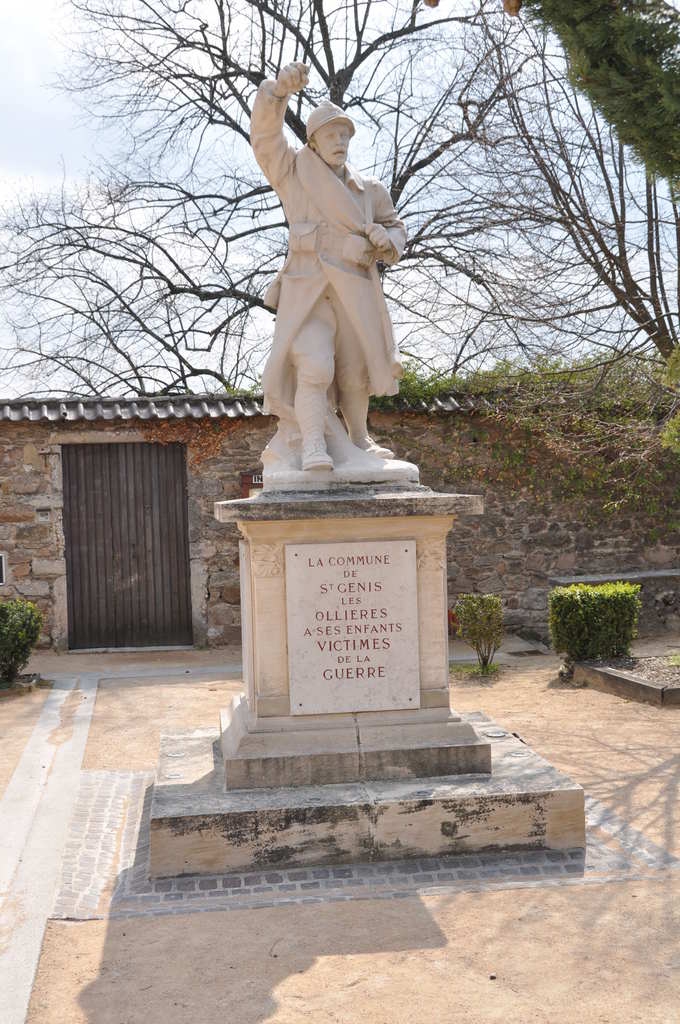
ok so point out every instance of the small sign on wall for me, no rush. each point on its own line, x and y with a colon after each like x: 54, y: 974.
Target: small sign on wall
x: 352, y: 614
x: 251, y: 482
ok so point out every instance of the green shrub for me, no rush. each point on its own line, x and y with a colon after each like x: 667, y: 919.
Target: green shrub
x: 594, y: 622
x: 480, y: 624
x: 20, y: 625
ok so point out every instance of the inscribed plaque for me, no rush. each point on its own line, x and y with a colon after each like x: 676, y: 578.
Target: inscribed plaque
x: 352, y: 611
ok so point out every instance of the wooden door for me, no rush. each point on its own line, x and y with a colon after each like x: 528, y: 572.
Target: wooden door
x: 127, y: 547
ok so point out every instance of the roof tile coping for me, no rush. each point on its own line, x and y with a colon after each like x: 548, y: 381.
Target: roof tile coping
x: 177, y: 407
x: 188, y: 406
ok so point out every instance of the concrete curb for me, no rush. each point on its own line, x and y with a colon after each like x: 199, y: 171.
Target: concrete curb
x: 625, y: 684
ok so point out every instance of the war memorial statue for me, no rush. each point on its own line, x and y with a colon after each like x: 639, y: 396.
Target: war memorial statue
x: 333, y: 342
x: 343, y: 746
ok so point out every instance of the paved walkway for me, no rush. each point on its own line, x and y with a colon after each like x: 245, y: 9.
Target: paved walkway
x: 34, y: 819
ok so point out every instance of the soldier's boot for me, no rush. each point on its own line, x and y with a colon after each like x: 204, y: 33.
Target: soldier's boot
x: 311, y: 408
x: 354, y: 408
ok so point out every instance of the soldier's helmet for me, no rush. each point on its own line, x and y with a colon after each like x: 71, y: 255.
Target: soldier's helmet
x: 324, y: 114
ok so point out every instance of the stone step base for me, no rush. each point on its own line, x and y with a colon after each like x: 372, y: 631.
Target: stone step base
x: 197, y: 827
x: 355, y: 752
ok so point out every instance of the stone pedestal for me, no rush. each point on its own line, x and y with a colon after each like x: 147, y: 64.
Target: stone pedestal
x: 345, y: 640
x: 343, y: 745
x: 362, y: 525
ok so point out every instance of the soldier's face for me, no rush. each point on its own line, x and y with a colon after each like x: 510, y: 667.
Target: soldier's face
x: 331, y: 141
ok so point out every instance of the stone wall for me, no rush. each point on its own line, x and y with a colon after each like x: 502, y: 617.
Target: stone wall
x: 31, y: 535
x: 218, y: 478
x: 528, y: 534
x: 532, y: 529
x: 31, y: 503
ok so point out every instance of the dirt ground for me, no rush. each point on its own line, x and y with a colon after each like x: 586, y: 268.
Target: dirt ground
x: 18, y: 715
x: 582, y: 953
x: 623, y: 753
x: 50, y: 663
x: 577, y: 955
x: 130, y: 715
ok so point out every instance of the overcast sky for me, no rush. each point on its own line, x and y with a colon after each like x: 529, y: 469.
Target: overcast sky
x: 41, y: 129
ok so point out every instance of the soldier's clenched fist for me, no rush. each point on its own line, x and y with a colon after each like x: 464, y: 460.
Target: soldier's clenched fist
x: 291, y: 79
x: 379, y: 238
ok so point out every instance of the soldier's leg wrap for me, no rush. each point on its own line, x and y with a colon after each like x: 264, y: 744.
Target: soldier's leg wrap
x: 312, y: 356
x: 311, y: 409
x: 354, y: 407
x: 351, y: 376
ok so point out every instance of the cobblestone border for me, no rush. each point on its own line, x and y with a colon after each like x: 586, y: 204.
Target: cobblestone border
x: 105, y: 869
x: 102, y: 837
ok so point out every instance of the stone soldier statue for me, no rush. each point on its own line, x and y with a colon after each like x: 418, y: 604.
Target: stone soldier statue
x: 333, y: 342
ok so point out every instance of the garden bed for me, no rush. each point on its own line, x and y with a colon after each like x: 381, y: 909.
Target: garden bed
x: 650, y: 680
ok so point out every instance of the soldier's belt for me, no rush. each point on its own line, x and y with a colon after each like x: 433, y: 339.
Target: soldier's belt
x: 324, y: 240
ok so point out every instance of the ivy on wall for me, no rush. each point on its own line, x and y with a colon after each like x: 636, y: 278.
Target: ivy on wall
x: 488, y: 453
x: 591, y: 440
x: 670, y: 435
x: 204, y: 438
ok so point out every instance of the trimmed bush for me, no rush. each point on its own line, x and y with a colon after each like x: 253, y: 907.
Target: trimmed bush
x: 480, y: 624
x: 20, y: 625
x: 594, y: 622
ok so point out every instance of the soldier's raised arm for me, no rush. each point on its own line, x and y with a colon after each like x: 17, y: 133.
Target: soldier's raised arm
x: 272, y: 152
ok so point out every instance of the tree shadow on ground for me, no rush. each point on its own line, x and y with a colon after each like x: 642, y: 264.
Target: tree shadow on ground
x: 227, y: 966
x: 558, y: 682
x: 474, y: 679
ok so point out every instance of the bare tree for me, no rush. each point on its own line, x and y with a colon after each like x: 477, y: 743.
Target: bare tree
x: 150, y: 278
x: 599, y: 239
x: 532, y: 232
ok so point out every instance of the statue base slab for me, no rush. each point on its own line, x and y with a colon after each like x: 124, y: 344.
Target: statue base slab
x: 374, y: 471
x: 367, y: 501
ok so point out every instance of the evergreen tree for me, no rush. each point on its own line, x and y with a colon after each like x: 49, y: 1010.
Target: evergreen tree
x: 625, y: 56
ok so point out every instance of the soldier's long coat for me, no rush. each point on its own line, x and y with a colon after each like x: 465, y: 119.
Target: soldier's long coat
x: 316, y: 201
